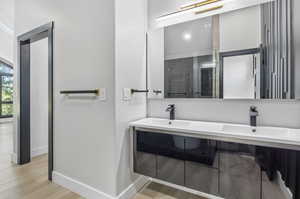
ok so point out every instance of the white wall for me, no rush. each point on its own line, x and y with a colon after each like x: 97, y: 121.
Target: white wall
x: 156, y: 61
x: 39, y: 97
x: 240, y: 29
x: 6, y: 29
x: 102, y: 47
x: 84, y: 142
x: 130, y: 72
x: 7, y: 44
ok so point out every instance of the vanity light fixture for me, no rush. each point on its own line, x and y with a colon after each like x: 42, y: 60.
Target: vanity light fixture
x: 191, y: 7
x: 199, y: 4
x: 208, y: 9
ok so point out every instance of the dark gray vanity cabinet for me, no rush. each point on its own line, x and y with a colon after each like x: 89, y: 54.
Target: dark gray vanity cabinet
x: 163, y: 152
x: 144, y: 156
x: 180, y: 160
x: 228, y: 170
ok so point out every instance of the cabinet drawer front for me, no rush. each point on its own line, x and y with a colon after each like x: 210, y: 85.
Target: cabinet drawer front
x: 201, y: 178
x: 146, y: 142
x: 161, y: 144
x: 145, y: 164
x: 202, y: 151
x: 170, y: 170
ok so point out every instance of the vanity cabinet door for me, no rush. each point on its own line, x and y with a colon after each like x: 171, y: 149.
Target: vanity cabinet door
x: 201, y: 151
x: 170, y: 170
x: 171, y: 146
x: 145, y: 164
x: 240, y: 175
x: 201, y: 166
x: 276, y: 180
x: 202, y: 178
x: 144, y: 158
x: 170, y: 159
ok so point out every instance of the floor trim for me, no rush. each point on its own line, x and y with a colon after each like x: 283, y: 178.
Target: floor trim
x: 134, y: 188
x: 6, y: 120
x: 92, y: 193
x: 39, y: 151
x: 78, y: 187
x: 14, y: 158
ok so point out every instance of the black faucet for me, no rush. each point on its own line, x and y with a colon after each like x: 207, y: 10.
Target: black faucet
x: 171, y: 109
x: 253, y: 116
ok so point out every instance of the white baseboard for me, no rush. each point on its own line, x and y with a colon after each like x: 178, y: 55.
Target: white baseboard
x: 6, y: 120
x: 92, y: 193
x: 77, y: 187
x: 286, y: 191
x: 134, y: 188
x: 14, y: 158
x: 39, y: 151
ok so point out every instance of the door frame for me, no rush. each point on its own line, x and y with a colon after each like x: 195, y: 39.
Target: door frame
x: 232, y: 54
x: 23, y: 88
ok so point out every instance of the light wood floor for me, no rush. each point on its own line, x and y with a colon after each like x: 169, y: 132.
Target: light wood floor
x: 6, y: 144
x: 157, y: 191
x: 30, y: 181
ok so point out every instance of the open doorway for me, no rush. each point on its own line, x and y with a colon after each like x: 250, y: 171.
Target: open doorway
x: 35, y: 95
x: 6, y: 113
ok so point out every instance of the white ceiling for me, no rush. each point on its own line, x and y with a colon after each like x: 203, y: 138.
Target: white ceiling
x: 7, y: 15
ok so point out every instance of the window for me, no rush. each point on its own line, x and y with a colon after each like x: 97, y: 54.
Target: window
x: 6, y: 90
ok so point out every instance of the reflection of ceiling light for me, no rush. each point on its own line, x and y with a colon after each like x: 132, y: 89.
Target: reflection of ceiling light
x: 187, y: 36
x: 209, y: 65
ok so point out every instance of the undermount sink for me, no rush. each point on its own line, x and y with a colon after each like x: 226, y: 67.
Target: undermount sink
x: 207, y: 126
x: 202, y: 126
x: 173, y: 123
x: 254, y: 131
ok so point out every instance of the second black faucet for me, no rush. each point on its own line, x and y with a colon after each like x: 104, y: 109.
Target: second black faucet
x: 171, y: 109
x: 253, y: 112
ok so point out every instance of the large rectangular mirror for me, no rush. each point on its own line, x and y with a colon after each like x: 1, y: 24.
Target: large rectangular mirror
x: 249, y: 53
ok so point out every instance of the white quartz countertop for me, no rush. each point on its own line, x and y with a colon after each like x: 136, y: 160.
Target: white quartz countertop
x: 263, y: 136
